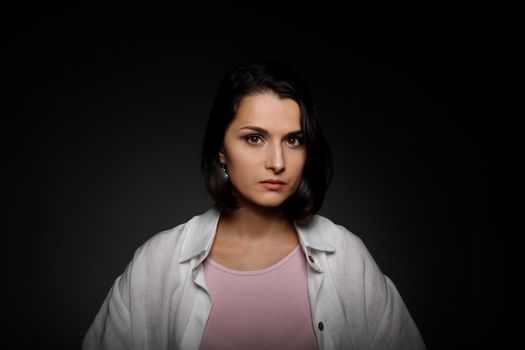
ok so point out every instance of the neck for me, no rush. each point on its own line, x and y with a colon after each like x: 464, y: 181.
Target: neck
x: 256, y: 224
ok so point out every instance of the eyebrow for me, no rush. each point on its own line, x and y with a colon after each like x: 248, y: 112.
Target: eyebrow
x: 265, y: 132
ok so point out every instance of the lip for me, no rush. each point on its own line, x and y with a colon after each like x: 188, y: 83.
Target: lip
x: 273, y: 184
x: 274, y: 181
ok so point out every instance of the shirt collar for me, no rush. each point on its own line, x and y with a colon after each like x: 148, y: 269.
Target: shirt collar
x: 200, y: 231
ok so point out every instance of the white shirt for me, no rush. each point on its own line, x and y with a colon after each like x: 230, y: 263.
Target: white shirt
x: 161, y: 301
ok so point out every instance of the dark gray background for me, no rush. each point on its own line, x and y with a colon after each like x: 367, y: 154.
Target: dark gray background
x: 109, y: 109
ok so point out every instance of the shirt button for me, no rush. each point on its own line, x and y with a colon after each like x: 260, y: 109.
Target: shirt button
x: 311, y: 258
x: 321, y: 326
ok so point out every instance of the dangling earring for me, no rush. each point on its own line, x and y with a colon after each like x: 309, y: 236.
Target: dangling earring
x: 224, y: 173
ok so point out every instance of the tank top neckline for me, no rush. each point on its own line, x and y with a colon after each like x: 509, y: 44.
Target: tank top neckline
x: 254, y: 272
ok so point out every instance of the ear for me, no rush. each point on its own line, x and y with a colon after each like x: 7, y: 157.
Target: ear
x: 222, y: 158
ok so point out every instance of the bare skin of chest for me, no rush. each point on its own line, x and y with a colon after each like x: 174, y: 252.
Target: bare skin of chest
x: 244, y: 256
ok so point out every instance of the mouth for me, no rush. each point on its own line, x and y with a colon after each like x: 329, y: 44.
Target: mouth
x: 273, y: 184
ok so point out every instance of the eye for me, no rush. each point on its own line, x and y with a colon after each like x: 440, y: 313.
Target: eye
x: 295, y: 140
x: 252, y: 139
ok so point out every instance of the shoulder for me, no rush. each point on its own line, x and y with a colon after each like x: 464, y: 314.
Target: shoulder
x: 338, y: 235
x: 163, y: 245
x: 346, y: 251
x: 184, y: 241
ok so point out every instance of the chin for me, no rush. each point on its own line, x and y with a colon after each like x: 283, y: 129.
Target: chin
x: 274, y: 204
x: 270, y: 202
x: 267, y: 202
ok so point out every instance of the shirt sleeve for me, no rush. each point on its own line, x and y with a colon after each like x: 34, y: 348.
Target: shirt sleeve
x: 390, y: 325
x: 111, y: 328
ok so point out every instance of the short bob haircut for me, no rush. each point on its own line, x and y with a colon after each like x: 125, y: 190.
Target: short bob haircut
x: 255, y: 79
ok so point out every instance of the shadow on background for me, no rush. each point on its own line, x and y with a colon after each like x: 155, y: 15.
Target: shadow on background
x: 109, y: 109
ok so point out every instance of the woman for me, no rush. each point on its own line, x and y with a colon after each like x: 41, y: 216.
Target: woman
x: 260, y: 269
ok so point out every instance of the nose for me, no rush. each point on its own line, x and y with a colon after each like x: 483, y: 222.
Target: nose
x: 275, y: 159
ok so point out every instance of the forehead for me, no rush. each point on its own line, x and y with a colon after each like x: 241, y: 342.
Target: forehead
x: 269, y: 111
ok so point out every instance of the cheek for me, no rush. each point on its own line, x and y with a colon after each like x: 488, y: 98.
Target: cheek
x: 297, y: 163
x: 242, y: 161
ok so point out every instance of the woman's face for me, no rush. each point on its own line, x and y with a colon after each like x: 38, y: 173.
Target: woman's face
x: 264, y: 142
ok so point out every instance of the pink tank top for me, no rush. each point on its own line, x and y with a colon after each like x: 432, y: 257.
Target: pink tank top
x: 262, y: 309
